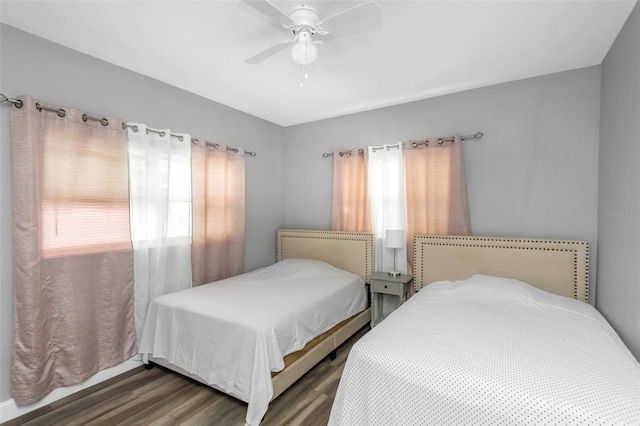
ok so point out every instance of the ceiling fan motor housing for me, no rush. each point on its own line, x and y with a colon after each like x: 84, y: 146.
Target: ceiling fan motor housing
x: 304, y: 17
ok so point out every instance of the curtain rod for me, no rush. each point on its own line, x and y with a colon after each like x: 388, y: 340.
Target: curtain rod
x: 61, y: 113
x: 415, y: 144
x: 181, y: 138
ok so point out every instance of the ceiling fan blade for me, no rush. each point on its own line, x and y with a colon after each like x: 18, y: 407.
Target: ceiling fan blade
x: 271, y: 10
x: 357, y: 24
x: 269, y: 51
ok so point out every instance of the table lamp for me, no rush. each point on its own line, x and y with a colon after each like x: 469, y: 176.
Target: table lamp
x: 395, y: 240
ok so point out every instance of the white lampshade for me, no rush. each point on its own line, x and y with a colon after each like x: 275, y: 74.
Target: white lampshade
x: 304, y: 52
x: 394, y: 238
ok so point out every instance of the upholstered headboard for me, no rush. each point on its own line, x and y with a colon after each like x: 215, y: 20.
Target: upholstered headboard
x: 556, y: 266
x: 351, y: 251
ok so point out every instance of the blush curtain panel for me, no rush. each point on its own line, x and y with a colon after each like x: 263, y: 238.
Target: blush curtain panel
x: 218, y: 188
x: 73, y: 259
x: 160, y: 196
x: 386, y: 196
x: 436, y: 189
x: 419, y: 187
x: 350, y: 210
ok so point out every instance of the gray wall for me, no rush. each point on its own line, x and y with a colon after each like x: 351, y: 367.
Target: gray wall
x: 619, y: 186
x: 55, y: 74
x: 534, y: 174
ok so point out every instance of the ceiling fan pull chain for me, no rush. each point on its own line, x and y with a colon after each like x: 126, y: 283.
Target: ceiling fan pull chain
x: 306, y: 59
x: 304, y: 68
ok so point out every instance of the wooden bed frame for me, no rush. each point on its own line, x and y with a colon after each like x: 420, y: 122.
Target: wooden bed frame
x: 556, y: 266
x: 351, y: 251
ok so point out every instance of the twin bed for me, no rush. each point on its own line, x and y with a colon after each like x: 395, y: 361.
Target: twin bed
x: 479, y: 350
x: 252, y: 336
x: 474, y: 347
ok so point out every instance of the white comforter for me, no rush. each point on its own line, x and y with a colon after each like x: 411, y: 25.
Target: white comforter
x: 489, y: 351
x: 233, y: 333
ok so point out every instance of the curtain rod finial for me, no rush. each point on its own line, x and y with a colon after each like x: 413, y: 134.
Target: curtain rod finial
x: 16, y: 102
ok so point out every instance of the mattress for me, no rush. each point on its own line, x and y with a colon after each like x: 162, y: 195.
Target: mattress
x: 489, y: 351
x: 233, y: 333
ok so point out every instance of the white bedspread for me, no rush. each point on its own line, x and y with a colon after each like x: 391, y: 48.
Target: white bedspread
x: 489, y: 351
x: 233, y: 333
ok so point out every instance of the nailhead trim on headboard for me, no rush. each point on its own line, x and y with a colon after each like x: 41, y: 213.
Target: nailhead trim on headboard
x: 504, y: 243
x: 365, y: 237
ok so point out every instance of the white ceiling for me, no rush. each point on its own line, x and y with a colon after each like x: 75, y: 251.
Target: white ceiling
x: 418, y: 50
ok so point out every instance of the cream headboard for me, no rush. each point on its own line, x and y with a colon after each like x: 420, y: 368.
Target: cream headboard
x: 556, y: 266
x: 351, y: 251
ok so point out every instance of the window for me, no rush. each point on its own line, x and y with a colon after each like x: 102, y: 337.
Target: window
x: 84, y: 204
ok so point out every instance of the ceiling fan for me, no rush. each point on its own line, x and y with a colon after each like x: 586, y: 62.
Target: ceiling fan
x: 305, y: 22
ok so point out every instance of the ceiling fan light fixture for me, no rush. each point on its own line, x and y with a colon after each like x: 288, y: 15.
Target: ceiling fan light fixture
x: 304, y: 52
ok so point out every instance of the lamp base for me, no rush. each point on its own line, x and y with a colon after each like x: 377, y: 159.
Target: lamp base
x: 394, y: 273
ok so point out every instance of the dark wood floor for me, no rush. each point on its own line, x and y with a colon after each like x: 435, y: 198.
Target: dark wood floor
x: 160, y: 397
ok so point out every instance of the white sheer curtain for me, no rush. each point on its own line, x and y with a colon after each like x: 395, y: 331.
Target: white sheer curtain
x: 160, y: 197
x: 387, y: 199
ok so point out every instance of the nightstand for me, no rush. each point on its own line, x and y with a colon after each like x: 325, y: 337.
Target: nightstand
x: 383, y: 283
